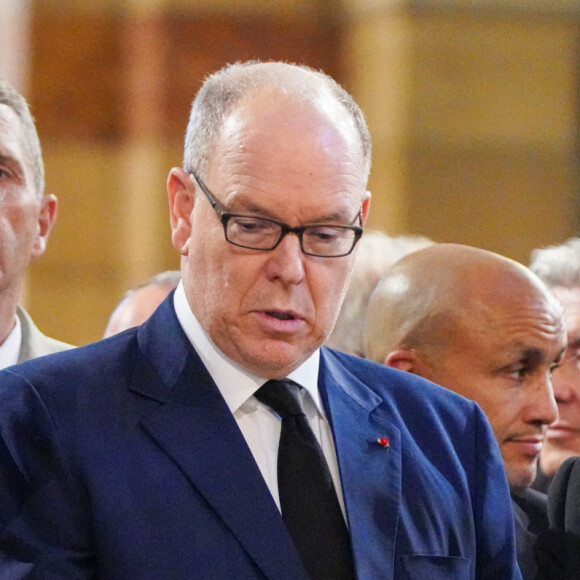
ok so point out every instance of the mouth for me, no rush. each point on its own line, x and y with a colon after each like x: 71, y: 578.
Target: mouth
x: 529, y: 445
x: 562, y: 431
x: 281, y: 315
x: 281, y: 322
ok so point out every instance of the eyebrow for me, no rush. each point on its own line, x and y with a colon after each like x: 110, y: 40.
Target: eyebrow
x: 251, y: 207
x: 535, y: 355
x: 6, y: 158
x: 11, y: 161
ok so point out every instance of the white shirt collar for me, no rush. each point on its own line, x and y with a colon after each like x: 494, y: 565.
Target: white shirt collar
x: 10, y: 348
x: 235, y: 383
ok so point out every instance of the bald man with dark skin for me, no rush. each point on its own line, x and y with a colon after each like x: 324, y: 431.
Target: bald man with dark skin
x: 487, y: 328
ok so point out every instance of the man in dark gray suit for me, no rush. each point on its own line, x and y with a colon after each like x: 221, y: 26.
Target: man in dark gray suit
x: 487, y: 328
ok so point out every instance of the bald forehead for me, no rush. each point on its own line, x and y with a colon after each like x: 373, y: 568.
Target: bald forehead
x: 508, y: 297
x: 455, y: 268
x: 496, y: 280
x: 493, y: 294
x: 260, y: 110
x: 468, y: 284
x: 305, y: 133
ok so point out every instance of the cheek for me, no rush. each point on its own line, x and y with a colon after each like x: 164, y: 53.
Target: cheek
x: 218, y: 279
x: 503, y: 414
x: 500, y: 423
x: 13, y: 227
x: 330, y: 277
x: 327, y: 287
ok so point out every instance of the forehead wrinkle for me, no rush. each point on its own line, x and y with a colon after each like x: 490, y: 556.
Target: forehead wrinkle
x: 514, y: 321
x: 259, y: 119
x: 238, y: 158
x: 529, y: 336
x: 242, y: 203
x: 243, y: 184
x: 540, y: 318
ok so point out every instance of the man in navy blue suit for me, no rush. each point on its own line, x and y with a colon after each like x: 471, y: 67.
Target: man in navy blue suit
x: 178, y: 449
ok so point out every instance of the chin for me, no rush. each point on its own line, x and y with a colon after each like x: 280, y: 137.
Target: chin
x: 271, y: 364
x: 520, y: 479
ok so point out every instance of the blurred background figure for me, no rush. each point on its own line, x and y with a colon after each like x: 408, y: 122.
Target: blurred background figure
x: 139, y: 303
x: 559, y: 268
x: 487, y: 328
x: 26, y: 218
x: 376, y: 253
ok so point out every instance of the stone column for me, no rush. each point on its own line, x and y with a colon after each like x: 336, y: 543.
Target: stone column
x: 473, y: 109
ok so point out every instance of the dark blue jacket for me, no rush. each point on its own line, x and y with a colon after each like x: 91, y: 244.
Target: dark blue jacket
x: 121, y: 461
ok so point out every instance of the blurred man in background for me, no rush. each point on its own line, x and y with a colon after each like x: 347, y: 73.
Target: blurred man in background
x: 487, y: 328
x: 139, y: 303
x: 376, y: 253
x: 559, y: 268
x: 26, y: 218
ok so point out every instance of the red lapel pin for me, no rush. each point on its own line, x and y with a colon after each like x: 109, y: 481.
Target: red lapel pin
x: 383, y: 442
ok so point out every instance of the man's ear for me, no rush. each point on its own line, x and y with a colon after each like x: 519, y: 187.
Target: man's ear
x: 46, y: 219
x: 402, y: 359
x: 365, y: 206
x: 181, y: 196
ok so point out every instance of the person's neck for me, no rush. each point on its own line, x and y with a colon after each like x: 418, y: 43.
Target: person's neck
x: 8, y: 306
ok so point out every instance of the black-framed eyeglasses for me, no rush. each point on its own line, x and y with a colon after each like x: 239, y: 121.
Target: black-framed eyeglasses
x: 257, y: 233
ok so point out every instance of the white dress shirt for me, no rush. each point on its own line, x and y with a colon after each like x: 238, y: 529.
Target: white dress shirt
x: 10, y: 348
x: 259, y: 425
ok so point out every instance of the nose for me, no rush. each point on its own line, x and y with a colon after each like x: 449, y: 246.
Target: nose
x: 566, y: 382
x: 286, y: 261
x: 542, y: 407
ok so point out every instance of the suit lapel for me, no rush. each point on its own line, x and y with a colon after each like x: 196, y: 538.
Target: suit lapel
x: 370, y: 472
x: 197, y: 430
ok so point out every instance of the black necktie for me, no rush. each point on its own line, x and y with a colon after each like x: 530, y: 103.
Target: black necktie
x: 308, y: 499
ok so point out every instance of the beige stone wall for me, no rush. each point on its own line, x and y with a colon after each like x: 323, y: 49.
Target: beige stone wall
x: 474, y: 112
x: 473, y: 107
x: 111, y: 86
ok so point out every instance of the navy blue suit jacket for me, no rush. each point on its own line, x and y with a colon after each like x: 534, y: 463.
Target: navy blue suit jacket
x: 120, y: 460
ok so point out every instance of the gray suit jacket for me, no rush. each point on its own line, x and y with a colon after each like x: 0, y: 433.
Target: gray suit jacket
x: 34, y: 343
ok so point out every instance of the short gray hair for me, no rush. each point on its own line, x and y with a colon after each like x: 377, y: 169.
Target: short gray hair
x: 10, y: 97
x: 558, y: 265
x: 222, y: 90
